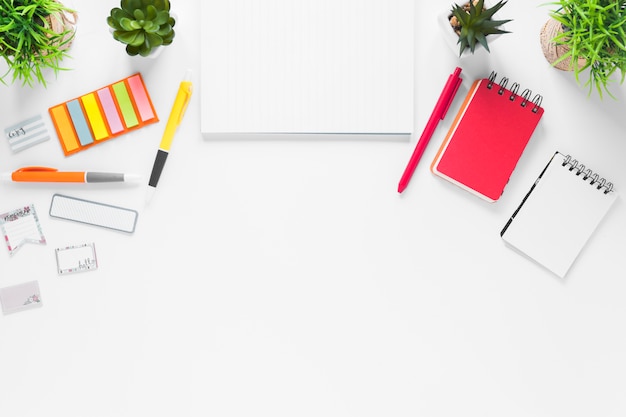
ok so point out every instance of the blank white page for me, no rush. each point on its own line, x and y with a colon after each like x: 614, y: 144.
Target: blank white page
x: 307, y: 66
x: 559, y: 215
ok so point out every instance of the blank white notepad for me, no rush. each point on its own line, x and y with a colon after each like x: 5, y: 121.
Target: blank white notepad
x: 560, y: 212
x: 307, y: 66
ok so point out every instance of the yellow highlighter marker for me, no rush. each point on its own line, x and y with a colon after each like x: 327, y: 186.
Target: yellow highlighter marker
x: 176, y: 116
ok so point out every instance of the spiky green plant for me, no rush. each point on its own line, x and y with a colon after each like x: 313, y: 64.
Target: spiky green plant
x: 142, y: 25
x: 28, y: 42
x: 594, y: 32
x: 474, y: 22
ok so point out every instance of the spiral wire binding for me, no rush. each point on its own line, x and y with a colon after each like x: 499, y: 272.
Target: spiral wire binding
x: 503, y: 82
x: 514, y: 90
x: 525, y: 97
x: 492, y: 79
x: 587, y: 173
x: 526, y: 94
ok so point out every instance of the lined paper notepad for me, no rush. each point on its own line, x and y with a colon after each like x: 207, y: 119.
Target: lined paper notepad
x: 307, y: 66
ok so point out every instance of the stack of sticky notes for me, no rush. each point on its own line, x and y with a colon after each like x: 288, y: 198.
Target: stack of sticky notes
x: 103, y: 114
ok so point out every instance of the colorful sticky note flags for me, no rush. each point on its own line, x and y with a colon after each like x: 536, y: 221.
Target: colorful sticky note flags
x: 99, y: 115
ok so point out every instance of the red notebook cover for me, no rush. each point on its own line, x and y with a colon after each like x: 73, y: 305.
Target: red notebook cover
x: 487, y: 137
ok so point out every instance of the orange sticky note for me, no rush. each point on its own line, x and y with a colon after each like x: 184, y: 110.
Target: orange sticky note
x: 64, y: 128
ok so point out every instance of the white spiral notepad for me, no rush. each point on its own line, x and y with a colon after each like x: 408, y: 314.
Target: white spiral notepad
x: 559, y: 214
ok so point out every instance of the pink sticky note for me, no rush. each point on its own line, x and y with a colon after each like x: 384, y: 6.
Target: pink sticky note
x: 110, y: 111
x: 141, y: 98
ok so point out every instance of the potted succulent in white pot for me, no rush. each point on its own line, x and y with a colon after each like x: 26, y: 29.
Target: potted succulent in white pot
x: 144, y: 26
x: 472, y: 25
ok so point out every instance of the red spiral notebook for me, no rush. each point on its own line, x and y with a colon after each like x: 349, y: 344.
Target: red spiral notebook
x: 487, y: 137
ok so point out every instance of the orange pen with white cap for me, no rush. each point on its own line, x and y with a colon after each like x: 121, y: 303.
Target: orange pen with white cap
x: 45, y: 174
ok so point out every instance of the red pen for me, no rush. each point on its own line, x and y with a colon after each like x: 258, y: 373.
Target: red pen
x: 441, y: 108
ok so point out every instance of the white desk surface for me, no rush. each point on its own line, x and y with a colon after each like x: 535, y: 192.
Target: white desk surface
x: 288, y: 278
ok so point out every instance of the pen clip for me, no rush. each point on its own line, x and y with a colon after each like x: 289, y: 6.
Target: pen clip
x: 187, y: 91
x: 36, y: 169
x: 451, y: 98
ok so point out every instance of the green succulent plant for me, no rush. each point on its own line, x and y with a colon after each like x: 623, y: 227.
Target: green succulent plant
x: 594, y: 33
x: 34, y: 36
x: 142, y: 25
x: 473, y: 23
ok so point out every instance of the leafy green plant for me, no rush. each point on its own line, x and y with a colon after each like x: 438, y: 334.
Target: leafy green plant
x: 142, y: 25
x: 34, y: 35
x: 473, y: 22
x: 594, y: 33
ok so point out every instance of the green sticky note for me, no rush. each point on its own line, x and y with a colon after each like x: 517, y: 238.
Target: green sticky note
x: 126, y: 105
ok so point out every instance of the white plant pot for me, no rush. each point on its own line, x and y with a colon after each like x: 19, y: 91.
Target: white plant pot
x: 156, y: 52
x: 452, y: 38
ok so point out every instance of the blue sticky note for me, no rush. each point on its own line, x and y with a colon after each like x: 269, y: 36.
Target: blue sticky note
x: 80, y: 122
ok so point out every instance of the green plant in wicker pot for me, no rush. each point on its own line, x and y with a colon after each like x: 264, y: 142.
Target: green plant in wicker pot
x: 473, y: 23
x: 34, y: 37
x: 588, y: 35
x: 143, y: 25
